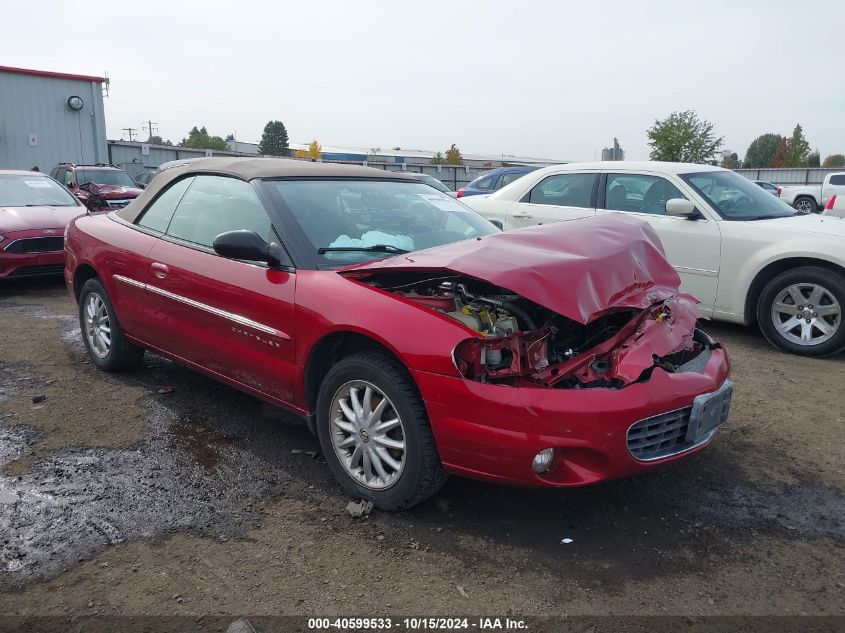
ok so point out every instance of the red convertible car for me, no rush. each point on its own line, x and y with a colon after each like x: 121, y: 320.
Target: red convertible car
x: 34, y: 212
x: 416, y: 338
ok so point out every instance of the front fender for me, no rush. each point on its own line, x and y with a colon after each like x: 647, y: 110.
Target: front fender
x: 734, y: 288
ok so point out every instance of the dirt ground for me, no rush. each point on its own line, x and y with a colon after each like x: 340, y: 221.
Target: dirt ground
x: 163, y: 492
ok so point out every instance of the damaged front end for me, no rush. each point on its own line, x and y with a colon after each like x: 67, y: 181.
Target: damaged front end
x: 521, y: 343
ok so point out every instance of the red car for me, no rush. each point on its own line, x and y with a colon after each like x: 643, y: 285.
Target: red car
x: 99, y: 187
x: 34, y: 212
x: 416, y: 338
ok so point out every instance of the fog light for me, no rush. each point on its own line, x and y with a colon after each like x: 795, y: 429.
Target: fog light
x: 543, y: 460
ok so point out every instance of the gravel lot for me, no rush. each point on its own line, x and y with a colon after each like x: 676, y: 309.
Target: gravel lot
x: 162, y: 492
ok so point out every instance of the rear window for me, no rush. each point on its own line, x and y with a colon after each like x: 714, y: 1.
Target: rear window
x: 837, y: 179
x: 485, y: 183
x: 33, y: 191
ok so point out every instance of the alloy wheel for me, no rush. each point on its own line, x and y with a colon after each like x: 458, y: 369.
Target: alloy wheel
x: 97, y: 325
x: 367, y: 435
x: 805, y: 206
x: 806, y: 314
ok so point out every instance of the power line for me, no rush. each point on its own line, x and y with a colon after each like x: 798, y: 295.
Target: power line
x: 150, y: 127
x: 131, y: 131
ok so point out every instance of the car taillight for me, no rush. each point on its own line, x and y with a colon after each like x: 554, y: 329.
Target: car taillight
x: 460, y: 192
x: 779, y: 190
x: 830, y: 203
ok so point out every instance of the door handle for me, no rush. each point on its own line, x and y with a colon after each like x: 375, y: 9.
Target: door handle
x: 160, y: 270
x: 521, y: 214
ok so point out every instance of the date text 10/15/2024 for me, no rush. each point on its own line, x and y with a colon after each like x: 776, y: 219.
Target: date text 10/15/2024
x: 417, y: 624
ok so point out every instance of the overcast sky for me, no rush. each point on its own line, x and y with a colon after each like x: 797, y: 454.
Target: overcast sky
x: 550, y: 79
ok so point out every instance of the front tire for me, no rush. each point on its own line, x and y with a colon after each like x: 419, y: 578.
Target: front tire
x: 805, y: 205
x: 104, y: 339
x: 374, y: 432
x: 801, y: 310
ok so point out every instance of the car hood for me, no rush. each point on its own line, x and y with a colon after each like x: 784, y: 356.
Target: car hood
x: 32, y: 218
x: 111, y: 192
x: 811, y: 223
x: 580, y: 268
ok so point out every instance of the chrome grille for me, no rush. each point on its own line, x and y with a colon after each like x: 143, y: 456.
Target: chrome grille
x: 660, y: 436
x: 36, y: 245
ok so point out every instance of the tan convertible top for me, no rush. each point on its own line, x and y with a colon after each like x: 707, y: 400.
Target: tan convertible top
x: 250, y: 168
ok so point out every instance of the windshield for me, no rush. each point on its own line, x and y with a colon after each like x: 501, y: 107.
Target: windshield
x: 737, y: 198
x: 370, y: 214
x: 432, y: 181
x: 103, y: 177
x: 33, y: 191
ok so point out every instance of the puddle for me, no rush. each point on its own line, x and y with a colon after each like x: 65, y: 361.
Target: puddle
x: 78, y: 502
x: 202, y: 444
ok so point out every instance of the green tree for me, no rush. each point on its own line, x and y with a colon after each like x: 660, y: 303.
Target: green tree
x: 155, y: 139
x: 762, y: 150
x: 813, y: 159
x: 438, y: 159
x: 730, y: 160
x: 683, y: 138
x: 798, y: 149
x: 834, y: 160
x: 453, y: 156
x: 230, y: 137
x: 274, y: 140
x: 200, y: 139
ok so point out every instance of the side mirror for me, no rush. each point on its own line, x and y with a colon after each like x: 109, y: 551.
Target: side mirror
x: 680, y: 208
x: 498, y: 224
x: 248, y: 245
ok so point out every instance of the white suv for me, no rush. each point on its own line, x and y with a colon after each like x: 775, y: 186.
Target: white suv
x: 745, y: 254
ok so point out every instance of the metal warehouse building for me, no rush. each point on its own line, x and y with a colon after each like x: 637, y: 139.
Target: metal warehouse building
x: 47, y: 118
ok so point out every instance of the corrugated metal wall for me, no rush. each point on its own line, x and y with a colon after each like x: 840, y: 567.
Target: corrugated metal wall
x: 37, y: 106
x: 790, y: 175
x: 131, y: 158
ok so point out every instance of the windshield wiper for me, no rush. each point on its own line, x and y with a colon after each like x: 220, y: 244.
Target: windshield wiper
x: 752, y: 218
x: 375, y: 248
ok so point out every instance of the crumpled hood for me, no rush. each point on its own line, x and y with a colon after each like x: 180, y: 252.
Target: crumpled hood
x: 111, y: 192
x: 579, y: 268
x: 31, y: 218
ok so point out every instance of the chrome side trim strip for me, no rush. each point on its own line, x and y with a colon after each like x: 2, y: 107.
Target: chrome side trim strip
x: 129, y: 281
x: 697, y: 271
x: 235, y: 318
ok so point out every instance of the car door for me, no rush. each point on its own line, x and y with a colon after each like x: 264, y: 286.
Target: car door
x: 693, y: 246
x: 230, y: 317
x: 558, y: 197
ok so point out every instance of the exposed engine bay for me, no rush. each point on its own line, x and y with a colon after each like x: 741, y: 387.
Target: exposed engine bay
x: 521, y: 343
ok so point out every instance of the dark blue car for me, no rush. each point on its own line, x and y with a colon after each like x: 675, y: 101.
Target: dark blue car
x: 493, y: 180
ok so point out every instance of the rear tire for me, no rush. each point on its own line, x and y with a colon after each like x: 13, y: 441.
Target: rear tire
x: 801, y: 310
x: 805, y: 204
x: 102, y: 335
x: 364, y: 460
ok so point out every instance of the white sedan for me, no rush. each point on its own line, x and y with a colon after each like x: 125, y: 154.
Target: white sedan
x: 746, y: 255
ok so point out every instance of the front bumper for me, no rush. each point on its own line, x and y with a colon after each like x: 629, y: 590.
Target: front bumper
x: 492, y: 432
x: 21, y: 265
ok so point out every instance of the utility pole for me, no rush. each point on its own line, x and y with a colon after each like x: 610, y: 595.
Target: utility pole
x: 131, y: 131
x: 151, y: 128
